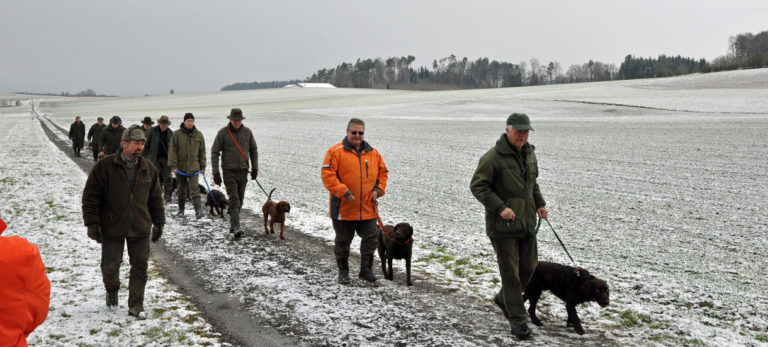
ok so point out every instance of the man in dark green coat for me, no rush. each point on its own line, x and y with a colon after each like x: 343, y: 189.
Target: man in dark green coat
x: 186, y: 159
x: 123, y: 204
x: 110, y: 137
x: 156, y: 150
x: 94, y: 135
x: 505, y: 183
x: 77, y: 135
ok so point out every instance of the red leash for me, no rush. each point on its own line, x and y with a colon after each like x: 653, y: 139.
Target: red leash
x: 381, y: 225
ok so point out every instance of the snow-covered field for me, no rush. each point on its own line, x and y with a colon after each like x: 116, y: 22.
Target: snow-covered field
x: 42, y: 189
x: 656, y: 186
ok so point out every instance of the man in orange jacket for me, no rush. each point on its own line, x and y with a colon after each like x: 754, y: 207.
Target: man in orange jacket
x: 24, y: 289
x: 355, y: 175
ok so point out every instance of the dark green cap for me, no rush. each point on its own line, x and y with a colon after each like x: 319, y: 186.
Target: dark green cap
x: 519, y: 121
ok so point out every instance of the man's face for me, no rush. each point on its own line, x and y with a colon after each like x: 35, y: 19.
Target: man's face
x: 100, y: 123
x: 115, y: 125
x: 147, y: 126
x: 236, y: 123
x: 517, y: 138
x: 189, y: 123
x: 355, y: 134
x: 77, y: 119
x: 132, y: 149
x: 163, y: 127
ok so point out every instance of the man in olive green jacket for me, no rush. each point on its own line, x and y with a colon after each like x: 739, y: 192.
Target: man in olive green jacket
x: 110, y: 137
x: 186, y: 159
x: 505, y: 183
x: 236, y: 145
x: 123, y: 204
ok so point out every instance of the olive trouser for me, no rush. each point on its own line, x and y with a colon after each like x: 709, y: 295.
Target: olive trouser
x: 345, y: 232
x: 164, y: 174
x: 112, y: 257
x: 235, y: 182
x: 188, y: 183
x: 517, y: 259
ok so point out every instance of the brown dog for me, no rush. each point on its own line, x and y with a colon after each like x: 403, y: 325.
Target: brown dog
x: 572, y: 285
x: 396, y: 243
x: 275, y: 213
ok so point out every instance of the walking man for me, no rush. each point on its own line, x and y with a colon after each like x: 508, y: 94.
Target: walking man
x: 156, y: 150
x: 123, y: 204
x: 505, y: 183
x: 146, y: 124
x: 355, y: 175
x: 77, y: 135
x: 236, y: 146
x: 94, y: 134
x: 186, y: 160
x: 110, y: 138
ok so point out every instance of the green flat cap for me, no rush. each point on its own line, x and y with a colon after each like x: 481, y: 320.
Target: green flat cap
x: 519, y: 121
x: 134, y: 133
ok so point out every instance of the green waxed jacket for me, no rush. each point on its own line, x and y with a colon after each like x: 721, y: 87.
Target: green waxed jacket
x: 500, y: 181
x: 155, y: 142
x: 187, y: 152
x: 121, y: 212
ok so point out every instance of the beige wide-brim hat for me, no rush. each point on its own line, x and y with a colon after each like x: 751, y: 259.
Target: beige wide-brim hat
x: 164, y: 120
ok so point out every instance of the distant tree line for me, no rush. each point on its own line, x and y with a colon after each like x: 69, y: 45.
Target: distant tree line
x: 454, y: 73
x: 87, y: 92
x: 663, y: 66
x: 745, y: 51
x: 257, y: 85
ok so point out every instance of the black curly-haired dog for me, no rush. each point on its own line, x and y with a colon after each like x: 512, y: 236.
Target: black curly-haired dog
x: 572, y: 285
x: 219, y: 202
x: 396, y: 242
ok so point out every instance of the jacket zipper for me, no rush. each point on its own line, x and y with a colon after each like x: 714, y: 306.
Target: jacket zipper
x: 366, y: 168
x: 360, y: 161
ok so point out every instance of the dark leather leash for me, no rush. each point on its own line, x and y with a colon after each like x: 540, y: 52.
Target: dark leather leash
x: 578, y: 269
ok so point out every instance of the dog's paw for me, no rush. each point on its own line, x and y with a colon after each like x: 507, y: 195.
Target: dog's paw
x: 579, y: 330
x: 536, y: 321
x: 409, y: 283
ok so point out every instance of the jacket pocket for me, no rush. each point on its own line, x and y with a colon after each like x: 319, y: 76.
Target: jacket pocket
x: 520, y: 224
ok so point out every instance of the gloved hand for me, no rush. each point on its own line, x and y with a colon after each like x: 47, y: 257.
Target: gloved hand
x: 94, y: 232
x: 254, y: 173
x: 157, y: 231
x: 217, y: 179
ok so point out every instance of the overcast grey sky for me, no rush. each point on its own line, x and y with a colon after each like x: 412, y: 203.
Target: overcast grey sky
x: 149, y: 46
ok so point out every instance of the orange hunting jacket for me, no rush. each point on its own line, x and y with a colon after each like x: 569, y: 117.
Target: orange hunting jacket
x: 24, y: 290
x: 346, y: 172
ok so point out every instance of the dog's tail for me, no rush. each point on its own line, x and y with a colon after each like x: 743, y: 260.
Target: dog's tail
x: 270, y: 194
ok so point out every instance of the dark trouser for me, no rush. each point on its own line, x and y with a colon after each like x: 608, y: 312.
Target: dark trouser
x: 95, y: 153
x: 235, y: 182
x: 112, y: 256
x: 164, y: 173
x: 188, y: 183
x: 517, y: 259
x: 345, y: 232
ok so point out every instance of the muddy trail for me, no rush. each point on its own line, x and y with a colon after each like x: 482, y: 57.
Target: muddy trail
x: 263, y: 291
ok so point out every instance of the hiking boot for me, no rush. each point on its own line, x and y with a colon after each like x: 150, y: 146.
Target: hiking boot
x: 198, y: 207
x: 138, y: 312
x: 522, y: 331
x: 366, y: 274
x: 167, y: 197
x: 501, y: 306
x: 343, y: 265
x: 181, y: 207
x: 234, y: 221
x: 111, y: 299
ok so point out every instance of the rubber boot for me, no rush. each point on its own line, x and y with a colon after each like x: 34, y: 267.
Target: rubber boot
x: 343, y: 265
x: 366, y: 274
x: 235, y: 221
x: 138, y: 312
x: 167, y: 196
x: 181, y: 207
x: 198, y: 207
x: 111, y: 299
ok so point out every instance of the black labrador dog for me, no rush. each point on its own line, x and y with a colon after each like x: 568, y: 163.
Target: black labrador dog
x: 218, y: 202
x: 572, y: 285
x: 396, y: 243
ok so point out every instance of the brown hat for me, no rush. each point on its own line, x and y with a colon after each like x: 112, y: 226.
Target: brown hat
x: 236, y: 114
x: 147, y: 121
x: 134, y: 132
x: 164, y: 120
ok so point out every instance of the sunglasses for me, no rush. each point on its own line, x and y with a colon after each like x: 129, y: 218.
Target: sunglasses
x: 356, y: 132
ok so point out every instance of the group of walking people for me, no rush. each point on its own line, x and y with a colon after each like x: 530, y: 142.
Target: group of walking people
x: 124, y: 194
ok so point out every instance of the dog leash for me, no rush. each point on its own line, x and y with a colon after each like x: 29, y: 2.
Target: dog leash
x: 204, y: 180
x: 578, y: 269
x: 383, y: 230
x: 262, y: 188
x: 247, y: 163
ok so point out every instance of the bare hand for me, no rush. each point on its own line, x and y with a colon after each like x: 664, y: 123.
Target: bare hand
x: 542, y: 212
x: 350, y: 197
x: 374, y: 195
x: 508, y: 214
x: 174, y: 171
x: 202, y: 172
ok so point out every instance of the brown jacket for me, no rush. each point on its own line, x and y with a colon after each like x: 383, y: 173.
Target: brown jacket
x: 231, y: 159
x: 109, y: 201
